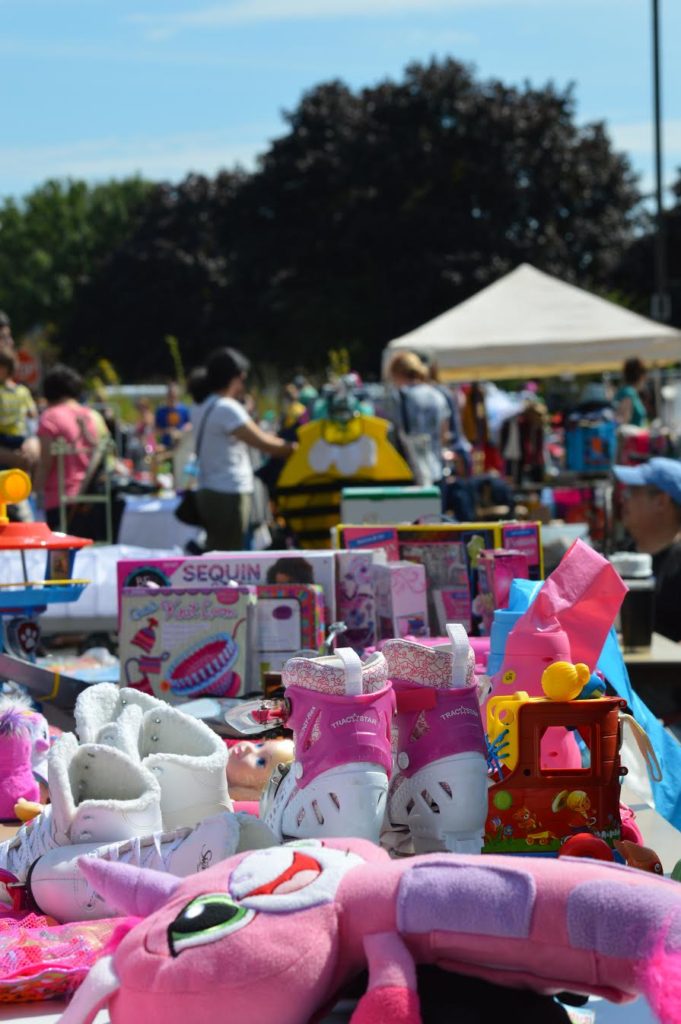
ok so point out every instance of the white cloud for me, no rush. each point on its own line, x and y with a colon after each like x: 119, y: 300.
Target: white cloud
x: 168, y: 157
x: 242, y: 12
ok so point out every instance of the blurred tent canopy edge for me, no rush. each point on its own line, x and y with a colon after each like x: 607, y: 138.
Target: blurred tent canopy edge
x: 529, y: 323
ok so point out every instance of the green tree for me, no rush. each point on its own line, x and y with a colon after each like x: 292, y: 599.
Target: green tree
x: 374, y: 211
x: 53, y: 241
x: 382, y: 208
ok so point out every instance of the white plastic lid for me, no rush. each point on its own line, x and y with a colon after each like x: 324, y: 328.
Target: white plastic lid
x: 632, y: 565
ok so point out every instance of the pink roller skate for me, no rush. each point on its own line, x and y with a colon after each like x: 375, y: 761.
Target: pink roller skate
x: 341, y: 712
x: 439, y: 789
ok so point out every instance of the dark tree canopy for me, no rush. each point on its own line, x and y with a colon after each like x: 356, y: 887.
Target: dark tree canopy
x: 375, y: 211
x: 381, y: 209
x: 635, y: 276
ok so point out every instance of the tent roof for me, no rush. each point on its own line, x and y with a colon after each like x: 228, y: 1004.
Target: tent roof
x: 531, y: 324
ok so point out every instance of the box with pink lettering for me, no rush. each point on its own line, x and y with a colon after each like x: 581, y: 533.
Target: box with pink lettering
x: 180, y: 643
x: 251, y: 568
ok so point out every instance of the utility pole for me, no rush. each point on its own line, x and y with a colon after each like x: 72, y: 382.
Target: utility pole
x: 661, y: 302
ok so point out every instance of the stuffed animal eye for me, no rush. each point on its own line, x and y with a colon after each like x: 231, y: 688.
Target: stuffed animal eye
x: 206, y: 919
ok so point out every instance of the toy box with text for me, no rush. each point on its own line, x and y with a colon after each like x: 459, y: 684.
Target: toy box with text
x: 253, y: 568
x: 450, y: 554
x: 366, y: 537
x: 355, y: 599
x: 520, y: 536
x: 496, y: 570
x: 401, y: 603
x: 446, y: 567
x: 289, y: 618
x: 184, y: 642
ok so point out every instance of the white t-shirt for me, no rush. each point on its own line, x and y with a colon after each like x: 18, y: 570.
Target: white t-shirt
x: 224, y: 461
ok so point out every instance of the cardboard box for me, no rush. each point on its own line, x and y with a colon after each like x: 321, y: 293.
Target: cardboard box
x: 389, y: 504
x: 355, y: 597
x: 179, y: 643
x: 446, y: 566
x: 521, y: 536
x: 401, y: 599
x: 496, y: 570
x: 289, y: 618
x: 365, y: 537
x: 254, y: 568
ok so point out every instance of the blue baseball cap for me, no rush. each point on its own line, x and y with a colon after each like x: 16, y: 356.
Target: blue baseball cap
x: 665, y: 474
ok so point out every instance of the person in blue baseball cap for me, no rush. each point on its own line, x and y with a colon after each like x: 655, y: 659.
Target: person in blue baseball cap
x: 651, y: 513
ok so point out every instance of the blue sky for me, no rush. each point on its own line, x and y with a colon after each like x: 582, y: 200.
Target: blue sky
x: 97, y: 89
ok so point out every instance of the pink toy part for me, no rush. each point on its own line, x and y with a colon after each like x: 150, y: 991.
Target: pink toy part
x: 583, y: 594
x: 274, y: 935
x: 16, y: 771
x: 120, y: 886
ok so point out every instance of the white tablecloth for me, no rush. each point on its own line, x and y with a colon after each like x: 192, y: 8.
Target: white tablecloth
x: 151, y: 523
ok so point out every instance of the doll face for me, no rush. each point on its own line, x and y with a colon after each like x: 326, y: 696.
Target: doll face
x: 250, y: 765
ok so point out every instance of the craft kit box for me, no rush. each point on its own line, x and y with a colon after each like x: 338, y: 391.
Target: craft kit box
x: 179, y: 643
x: 401, y: 603
x: 496, y: 571
x: 389, y: 504
x: 355, y: 597
x: 253, y: 568
x: 289, y: 618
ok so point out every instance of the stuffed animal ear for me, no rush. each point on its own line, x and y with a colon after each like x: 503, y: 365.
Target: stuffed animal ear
x: 392, y: 994
x: 132, y: 890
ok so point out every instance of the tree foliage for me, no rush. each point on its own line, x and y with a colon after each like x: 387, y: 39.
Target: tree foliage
x: 170, y: 276
x: 54, y: 241
x: 374, y: 211
x: 378, y: 210
x: 635, y: 275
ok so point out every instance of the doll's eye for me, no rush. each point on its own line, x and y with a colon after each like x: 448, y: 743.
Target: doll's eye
x: 261, y: 762
x: 206, y: 919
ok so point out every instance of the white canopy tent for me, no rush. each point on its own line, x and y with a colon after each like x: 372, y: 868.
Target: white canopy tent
x: 529, y: 324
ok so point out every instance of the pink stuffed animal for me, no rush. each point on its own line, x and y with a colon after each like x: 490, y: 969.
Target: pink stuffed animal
x: 274, y: 935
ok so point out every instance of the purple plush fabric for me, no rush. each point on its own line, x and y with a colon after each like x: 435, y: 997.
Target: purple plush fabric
x: 618, y: 920
x: 488, y: 900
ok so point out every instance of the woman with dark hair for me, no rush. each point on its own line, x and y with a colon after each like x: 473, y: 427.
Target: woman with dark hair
x: 65, y: 419
x: 628, y: 402
x: 224, y: 431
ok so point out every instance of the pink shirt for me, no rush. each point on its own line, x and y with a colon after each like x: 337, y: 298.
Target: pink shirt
x: 76, y: 425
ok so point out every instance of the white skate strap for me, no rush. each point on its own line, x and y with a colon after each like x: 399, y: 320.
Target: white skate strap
x: 460, y: 649
x: 353, y: 670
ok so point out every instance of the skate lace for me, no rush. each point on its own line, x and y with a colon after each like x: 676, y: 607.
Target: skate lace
x: 152, y: 851
x: 32, y: 840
